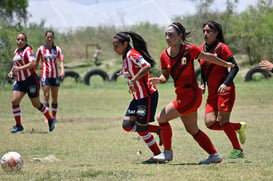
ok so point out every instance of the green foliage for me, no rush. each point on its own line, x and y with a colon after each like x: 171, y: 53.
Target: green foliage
x: 14, y: 12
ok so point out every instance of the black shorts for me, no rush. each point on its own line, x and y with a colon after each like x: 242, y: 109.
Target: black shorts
x: 31, y: 85
x: 143, y: 109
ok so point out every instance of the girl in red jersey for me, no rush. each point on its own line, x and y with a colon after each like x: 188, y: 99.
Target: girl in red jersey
x: 221, y: 89
x: 178, y: 61
x: 27, y: 81
x: 135, y: 67
x: 50, y: 54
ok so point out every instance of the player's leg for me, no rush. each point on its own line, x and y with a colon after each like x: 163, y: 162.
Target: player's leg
x: 16, y: 99
x: 168, y: 113
x: 223, y: 118
x: 54, y: 104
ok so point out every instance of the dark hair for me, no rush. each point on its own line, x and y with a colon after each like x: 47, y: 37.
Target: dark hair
x: 180, y: 29
x: 216, y: 27
x: 49, y: 31
x: 138, y: 43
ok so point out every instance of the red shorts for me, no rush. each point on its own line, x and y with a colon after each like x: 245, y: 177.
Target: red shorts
x: 222, y: 102
x: 189, y: 102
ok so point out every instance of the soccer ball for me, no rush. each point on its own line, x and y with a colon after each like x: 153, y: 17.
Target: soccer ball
x: 12, y: 161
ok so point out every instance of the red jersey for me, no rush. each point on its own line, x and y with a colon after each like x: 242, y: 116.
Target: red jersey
x: 214, y: 74
x: 23, y: 57
x: 132, y: 63
x: 181, y: 68
x: 49, y: 60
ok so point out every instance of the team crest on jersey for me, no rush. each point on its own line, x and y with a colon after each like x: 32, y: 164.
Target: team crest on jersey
x: 32, y: 89
x: 31, y: 56
x: 141, y: 110
x: 223, y: 105
x: 184, y: 61
x: 168, y: 66
x: 16, y: 58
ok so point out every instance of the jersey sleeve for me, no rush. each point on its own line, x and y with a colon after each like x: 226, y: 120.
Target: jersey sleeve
x: 30, y: 56
x: 226, y: 53
x: 195, y: 52
x: 139, y: 60
x: 164, y: 60
x: 38, y: 54
x: 60, y: 54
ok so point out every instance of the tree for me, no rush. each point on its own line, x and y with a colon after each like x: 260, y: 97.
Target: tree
x: 14, y: 12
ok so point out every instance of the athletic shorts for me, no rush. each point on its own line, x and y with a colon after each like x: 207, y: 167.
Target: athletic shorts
x: 30, y: 85
x: 188, y: 102
x: 143, y: 109
x: 50, y: 81
x: 222, y: 102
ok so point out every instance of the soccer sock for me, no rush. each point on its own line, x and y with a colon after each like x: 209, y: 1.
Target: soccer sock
x: 17, y: 114
x: 236, y: 126
x: 231, y: 134
x: 45, y: 111
x: 54, y: 108
x: 166, y: 135
x: 150, y: 141
x: 153, y: 128
x: 204, y: 141
x: 216, y: 126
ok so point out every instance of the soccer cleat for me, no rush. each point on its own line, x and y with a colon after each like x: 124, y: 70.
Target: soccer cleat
x: 51, y: 124
x: 242, y: 133
x: 151, y: 161
x: 159, y: 136
x: 213, y: 158
x: 165, y: 156
x: 236, y: 154
x: 16, y: 129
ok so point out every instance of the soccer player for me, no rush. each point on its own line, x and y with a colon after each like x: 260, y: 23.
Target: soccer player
x: 50, y: 56
x: 135, y: 67
x: 221, y: 89
x: 178, y: 61
x: 27, y: 81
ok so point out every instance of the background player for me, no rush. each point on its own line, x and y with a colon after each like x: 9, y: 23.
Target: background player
x: 221, y: 89
x: 27, y: 81
x: 49, y: 54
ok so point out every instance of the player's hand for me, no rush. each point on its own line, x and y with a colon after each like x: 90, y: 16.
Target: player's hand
x: 119, y: 73
x: 266, y: 65
x: 154, y: 80
x: 10, y: 75
x: 203, y: 88
x: 230, y: 65
x: 222, y: 89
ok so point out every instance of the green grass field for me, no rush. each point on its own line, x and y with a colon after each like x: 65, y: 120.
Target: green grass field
x: 91, y: 144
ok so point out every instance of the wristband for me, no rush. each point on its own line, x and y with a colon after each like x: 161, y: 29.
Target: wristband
x: 131, y: 83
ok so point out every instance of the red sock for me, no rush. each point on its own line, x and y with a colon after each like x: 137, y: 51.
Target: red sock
x: 236, y: 126
x: 17, y: 114
x: 54, y: 108
x: 205, y: 143
x: 45, y: 111
x: 166, y: 135
x: 150, y: 141
x: 153, y: 128
x: 231, y: 134
x: 216, y: 126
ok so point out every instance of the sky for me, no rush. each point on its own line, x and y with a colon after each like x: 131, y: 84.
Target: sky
x: 69, y: 14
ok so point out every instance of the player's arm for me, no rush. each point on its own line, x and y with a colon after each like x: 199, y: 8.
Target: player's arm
x: 214, y: 59
x: 162, y: 79
x: 266, y: 65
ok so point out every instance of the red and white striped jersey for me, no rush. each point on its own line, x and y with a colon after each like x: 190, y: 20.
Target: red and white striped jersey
x: 132, y: 63
x: 21, y: 58
x: 49, y: 58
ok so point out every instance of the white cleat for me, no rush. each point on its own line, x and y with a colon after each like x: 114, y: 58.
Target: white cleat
x: 213, y: 158
x: 165, y: 156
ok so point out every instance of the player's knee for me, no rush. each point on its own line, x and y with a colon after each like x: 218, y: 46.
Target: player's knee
x: 129, y: 126
x: 141, y: 128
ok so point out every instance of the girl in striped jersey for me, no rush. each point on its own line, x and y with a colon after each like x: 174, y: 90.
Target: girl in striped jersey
x: 178, y: 61
x: 27, y: 81
x: 50, y: 54
x: 135, y: 67
x: 221, y: 89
